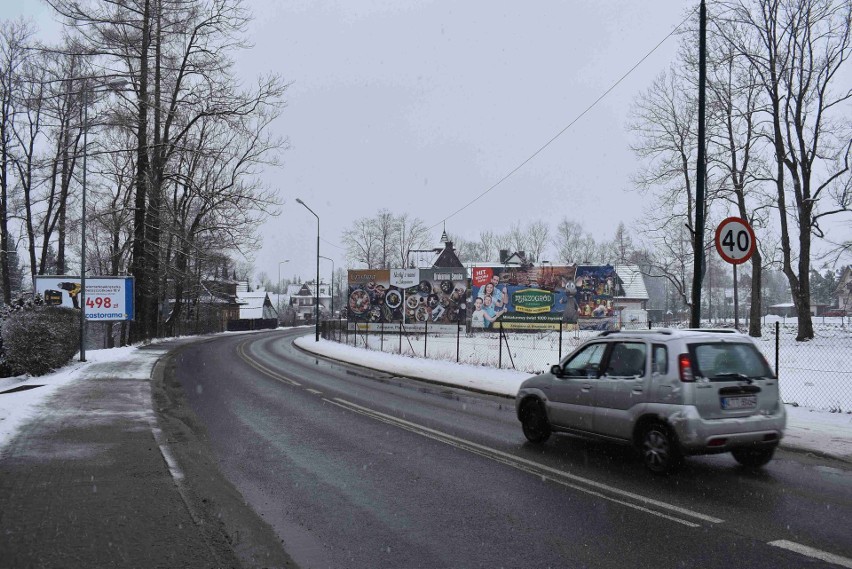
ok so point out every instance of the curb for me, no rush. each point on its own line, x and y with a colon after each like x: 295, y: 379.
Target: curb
x: 782, y: 445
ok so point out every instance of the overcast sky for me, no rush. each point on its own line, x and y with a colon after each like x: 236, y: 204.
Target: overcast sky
x: 419, y: 106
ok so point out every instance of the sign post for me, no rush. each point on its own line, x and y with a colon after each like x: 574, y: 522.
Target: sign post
x: 735, y: 243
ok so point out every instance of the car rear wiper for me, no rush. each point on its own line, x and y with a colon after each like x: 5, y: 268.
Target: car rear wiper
x: 735, y: 375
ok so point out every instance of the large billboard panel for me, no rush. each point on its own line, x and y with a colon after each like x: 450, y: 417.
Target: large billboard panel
x: 407, y: 299
x: 107, y: 298
x: 544, y: 298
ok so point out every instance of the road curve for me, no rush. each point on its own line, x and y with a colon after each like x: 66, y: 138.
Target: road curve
x: 354, y: 468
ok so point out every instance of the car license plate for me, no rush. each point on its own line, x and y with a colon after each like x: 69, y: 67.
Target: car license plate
x: 747, y: 402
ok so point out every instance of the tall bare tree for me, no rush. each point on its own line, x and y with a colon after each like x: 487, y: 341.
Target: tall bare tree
x: 797, y: 49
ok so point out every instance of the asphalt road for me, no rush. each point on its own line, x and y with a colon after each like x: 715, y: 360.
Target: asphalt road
x: 353, y: 468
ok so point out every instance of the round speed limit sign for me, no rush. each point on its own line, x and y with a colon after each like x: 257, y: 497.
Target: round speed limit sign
x: 735, y: 240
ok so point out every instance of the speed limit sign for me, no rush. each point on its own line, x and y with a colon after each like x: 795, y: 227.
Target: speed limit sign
x: 735, y: 240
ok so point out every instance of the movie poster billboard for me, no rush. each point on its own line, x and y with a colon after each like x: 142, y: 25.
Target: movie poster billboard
x: 544, y: 298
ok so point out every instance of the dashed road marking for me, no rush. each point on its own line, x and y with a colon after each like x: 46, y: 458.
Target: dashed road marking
x: 314, y: 391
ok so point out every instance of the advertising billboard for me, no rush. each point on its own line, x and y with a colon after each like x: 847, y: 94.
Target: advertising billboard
x: 544, y: 298
x: 107, y: 298
x: 407, y: 299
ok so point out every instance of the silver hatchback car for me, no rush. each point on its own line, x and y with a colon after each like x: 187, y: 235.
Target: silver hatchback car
x: 670, y: 393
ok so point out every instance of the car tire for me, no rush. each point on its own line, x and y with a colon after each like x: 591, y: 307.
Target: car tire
x: 534, y: 422
x: 659, y: 449
x: 753, y: 457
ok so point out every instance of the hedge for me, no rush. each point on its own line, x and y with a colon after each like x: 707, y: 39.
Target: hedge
x: 40, y: 339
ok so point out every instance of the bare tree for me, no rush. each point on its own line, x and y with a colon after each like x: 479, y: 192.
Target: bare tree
x: 411, y: 233
x: 538, y: 237
x: 622, y: 246
x: 362, y: 243
x: 796, y: 49
x: 736, y: 150
x: 176, y: 55
x: 14, y: 37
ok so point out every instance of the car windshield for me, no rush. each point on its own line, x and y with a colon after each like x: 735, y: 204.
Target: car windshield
x: 727, y: 361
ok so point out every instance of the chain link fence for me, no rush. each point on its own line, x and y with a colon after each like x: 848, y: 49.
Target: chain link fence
x: 815, y: 374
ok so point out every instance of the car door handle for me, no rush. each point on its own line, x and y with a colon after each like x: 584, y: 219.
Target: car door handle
x: 587, y: 387
x: 637, y: 391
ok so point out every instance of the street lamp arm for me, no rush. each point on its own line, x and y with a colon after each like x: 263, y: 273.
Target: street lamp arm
x: 316, y: 312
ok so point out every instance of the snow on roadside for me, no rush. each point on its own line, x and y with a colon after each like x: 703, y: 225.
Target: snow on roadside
x: 807, y: 429
x: 18, y: 407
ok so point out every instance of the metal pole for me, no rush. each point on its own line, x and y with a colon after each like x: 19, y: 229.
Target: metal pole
x: 500, y: 347
x: 777, y: 345
x: 736, y: 301
x: 316, y: 311
x: 82, y: 293
x: 560, y: 340
x: 458, y: 340
x: 425, y: 336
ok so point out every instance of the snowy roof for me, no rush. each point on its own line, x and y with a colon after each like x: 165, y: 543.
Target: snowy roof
x: 309, y: 289
x: 251, y: 304
x: 279, y: 299
x: 633, y: 281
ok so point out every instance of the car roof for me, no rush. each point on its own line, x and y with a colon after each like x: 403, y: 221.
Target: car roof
x: 668, y: 334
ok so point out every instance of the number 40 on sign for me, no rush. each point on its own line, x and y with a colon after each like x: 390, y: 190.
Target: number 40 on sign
x: 735, y: 240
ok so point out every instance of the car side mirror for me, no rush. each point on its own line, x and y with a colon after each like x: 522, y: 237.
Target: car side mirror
x: 556, y: 370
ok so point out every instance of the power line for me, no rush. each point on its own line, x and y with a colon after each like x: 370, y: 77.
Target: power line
x: 561, y: 132
x: 332, y: 244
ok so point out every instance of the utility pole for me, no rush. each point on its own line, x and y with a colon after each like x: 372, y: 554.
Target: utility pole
x: 698, y: 237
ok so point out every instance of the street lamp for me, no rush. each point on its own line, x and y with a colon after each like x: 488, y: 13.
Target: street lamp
x: 332, y: 283
x: 279, y: 288
x: 113, y: 85
x: 298, y: 200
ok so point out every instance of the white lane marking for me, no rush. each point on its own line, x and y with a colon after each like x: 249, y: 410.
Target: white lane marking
x: 314, y: 391
x: 262, y: 368
x: 812, y: 552
x: 538, y: 469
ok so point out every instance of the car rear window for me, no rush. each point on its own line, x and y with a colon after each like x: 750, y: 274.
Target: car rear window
x: 729, y: 361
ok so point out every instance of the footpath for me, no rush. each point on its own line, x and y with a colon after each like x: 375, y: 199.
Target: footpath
x: 88, y: 478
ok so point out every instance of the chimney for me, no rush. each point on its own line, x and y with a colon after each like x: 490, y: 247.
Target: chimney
x: 504, y: 254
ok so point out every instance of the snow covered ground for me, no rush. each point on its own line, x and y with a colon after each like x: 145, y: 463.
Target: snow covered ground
x: 815, y: 374
x: 808, y: 429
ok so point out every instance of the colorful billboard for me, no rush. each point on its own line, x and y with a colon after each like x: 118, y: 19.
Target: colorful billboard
x: 409, y: 299
x: 106, y: 298
x: 544, y: 298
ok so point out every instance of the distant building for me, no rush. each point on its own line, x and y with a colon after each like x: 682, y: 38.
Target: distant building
x: 443, y: 257
x: 255, y: 305
x: 303, y: 299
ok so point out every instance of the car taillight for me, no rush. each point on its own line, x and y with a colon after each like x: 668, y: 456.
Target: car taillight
x: 685, y: 365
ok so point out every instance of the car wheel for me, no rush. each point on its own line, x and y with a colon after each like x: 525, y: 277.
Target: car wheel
x: 753, y: 457
x: 659, y: 448
x: 534, y: 422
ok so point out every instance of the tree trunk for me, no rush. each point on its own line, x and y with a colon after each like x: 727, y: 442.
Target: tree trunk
x: 754, y: 314
x: 141, y: 327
